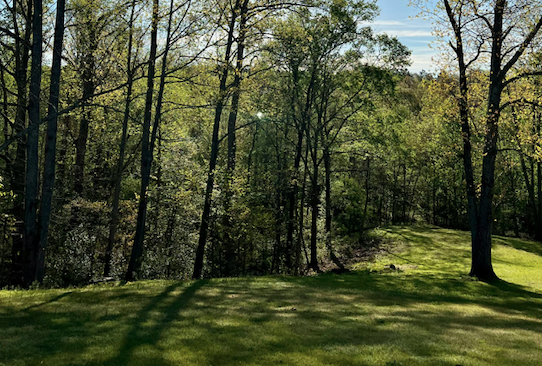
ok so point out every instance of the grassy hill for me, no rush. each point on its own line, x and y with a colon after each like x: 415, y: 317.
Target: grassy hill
x: 426, y: 311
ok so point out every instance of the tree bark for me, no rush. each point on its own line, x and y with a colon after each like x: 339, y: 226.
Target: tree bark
x: 230, y: 254
x: 149, y: 138
x: 315, y: 199
x: 222, y: 95
x: 301, y: 126
x: 538, y: 221
x: 122, y: 149
x: 32, y: 170
x: 89, y: 88
x: 50, y: 142
x: 22, y: 56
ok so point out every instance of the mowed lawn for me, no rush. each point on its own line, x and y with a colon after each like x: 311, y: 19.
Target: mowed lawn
x: 427, y: 312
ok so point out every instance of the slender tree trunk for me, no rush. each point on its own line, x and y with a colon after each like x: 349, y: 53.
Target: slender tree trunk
x: 405, y: 194
x: 367, y: 193
x: 122, y: 150
x: 301, y: 220
x: 147, y: 146
x: 535, y: 212
x: 329, y: 244
x: 168, y: 239
x: 229, y: 245
x: 89, y: 88
x: 5, y: 107
x: 203, y: 232
x: 315, y: 200
x: 394, y: 196
x: 538, y: 232
x: 32, y: 170
x: 327, y: 168
x: 61, y: 161
x: 301, y: 131
x: 22, y: 56
x: 137, y: 247
x: 50, y: 142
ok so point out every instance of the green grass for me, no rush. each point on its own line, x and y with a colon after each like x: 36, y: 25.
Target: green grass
x: 426, y: 313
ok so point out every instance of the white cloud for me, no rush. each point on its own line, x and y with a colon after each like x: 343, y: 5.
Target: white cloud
x: 387, y: 22
x: 408, y: 33
x: 421, y: 62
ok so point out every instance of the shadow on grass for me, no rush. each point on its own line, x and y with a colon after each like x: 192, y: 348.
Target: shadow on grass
x: 323, y: 320
x: 500, y: 296
x: 362, y: 318
x: 49, y: 301
x: 533, y: 247
x: 160, y: 312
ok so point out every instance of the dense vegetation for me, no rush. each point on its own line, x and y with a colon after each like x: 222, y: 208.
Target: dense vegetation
x: 425, y: 312
x: 187, y: 139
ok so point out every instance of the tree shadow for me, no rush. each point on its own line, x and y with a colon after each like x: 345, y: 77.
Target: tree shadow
x: 533, y: 247
x: 323, y: 320
x: 146, y: 327
x: 49, y: 301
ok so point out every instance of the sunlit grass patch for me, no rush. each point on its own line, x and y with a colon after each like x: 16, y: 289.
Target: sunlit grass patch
x: 425, y: 312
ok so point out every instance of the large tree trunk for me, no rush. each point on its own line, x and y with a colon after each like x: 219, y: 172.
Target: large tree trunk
x: 32, y: 170
x: 50, y: 140
x: 481, y: 251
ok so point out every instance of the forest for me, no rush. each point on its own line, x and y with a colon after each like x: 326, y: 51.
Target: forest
x: 188, y: 139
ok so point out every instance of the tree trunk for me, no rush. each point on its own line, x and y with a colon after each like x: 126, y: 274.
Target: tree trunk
x: 367, y: 193
x: 32, y: 170
x: 329, y: 244
x: 89, y: 88
x: 301, y: 221
x: 481, y: 251
x: 538, y: 221
x: 301, y: 130
x: 50, y: 142
x: 315, y: 200
x: 230, y: 254
x: 122, y: 150
x: 22, y: 56
x: 146, y: 153
x: 204, y: 227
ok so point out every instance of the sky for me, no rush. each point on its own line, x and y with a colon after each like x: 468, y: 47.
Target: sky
x: 396, y: 19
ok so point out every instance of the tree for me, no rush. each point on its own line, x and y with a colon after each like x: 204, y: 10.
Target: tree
x: 30, y: 253
x: 490, y: 33
x: 237, y: 16
x: 146, y: 150
x: 332, y: 66
x: 122, y: 150
x: 50, y: 141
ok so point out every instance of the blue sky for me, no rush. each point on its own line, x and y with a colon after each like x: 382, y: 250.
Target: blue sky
x: 396, y: 19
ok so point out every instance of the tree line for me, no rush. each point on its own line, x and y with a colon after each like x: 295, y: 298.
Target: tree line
x: 184, y: 139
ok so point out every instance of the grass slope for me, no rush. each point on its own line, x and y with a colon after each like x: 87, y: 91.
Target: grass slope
x: 426, y: 313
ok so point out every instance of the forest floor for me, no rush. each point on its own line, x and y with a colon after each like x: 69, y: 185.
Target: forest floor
x: 426, y: 311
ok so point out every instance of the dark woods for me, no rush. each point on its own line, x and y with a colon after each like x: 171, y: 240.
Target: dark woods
x: 183, y: 139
